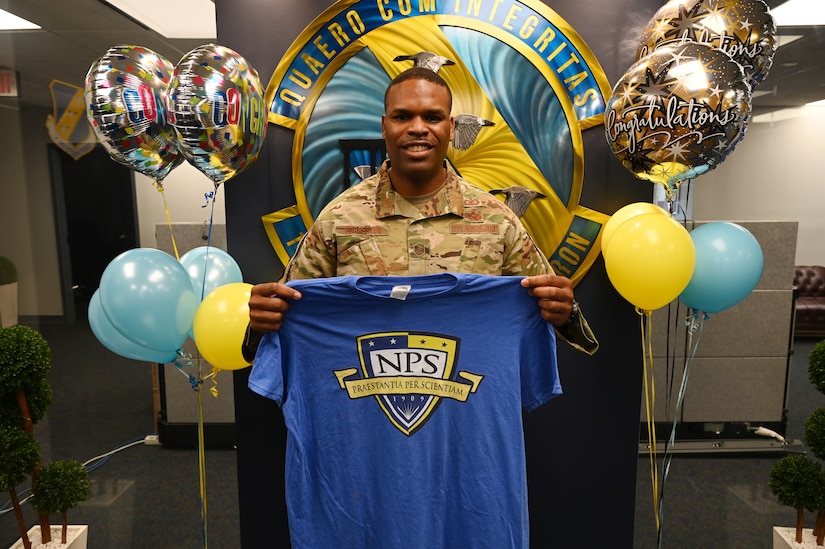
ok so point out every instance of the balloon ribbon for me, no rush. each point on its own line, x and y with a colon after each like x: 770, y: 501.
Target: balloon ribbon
x: 693, y: 325
x: 159, y: 186
x: 196, y: 382
x: 650, y: 402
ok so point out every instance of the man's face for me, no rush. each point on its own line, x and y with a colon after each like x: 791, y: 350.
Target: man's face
x: 417, y: 128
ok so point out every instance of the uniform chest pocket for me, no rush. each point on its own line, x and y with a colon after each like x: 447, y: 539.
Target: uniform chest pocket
x: 482, y: 256
x: 360, y: 256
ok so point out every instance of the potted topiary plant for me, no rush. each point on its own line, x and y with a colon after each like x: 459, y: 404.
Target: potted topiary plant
x: 60, y: 486
x: 25, y: 394
x: 815, y: 439
x: 8, y: 292
x: 19, y: 456
x: 797, y: 480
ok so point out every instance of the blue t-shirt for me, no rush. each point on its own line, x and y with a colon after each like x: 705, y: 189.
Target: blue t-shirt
x: 403, y: 401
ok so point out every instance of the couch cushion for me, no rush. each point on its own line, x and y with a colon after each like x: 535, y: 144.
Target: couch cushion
x: 810, y: 280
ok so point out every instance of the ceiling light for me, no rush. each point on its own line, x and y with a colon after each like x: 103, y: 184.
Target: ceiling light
x: 785, y: 39
x: 777, y: 116
x: 9, y: 21
x: 799, y: 13
x: 190, y: 19
x: 787, y: 114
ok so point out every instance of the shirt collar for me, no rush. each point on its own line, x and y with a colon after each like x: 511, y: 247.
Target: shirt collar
x: 448, y: 200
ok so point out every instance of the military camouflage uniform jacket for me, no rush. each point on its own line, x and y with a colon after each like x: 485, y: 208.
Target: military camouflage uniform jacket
x: 369, y: 229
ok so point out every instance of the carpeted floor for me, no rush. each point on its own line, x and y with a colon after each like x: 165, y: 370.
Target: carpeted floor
x: 142, y: 496
x: 148, y: 496
x: 722, y: 500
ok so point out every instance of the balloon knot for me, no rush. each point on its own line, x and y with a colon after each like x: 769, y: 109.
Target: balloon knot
x: 195, y: 382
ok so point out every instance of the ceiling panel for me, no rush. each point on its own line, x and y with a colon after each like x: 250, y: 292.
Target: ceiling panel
x: 77, y: 32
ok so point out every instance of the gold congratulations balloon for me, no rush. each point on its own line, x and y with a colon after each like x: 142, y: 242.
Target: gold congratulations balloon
x: 744, y: 29
x: 125, y: 96
x: 677, y: 113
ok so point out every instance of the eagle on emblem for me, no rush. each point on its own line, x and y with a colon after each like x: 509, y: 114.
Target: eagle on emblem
x: 518, y: 198
x: 426, y: 59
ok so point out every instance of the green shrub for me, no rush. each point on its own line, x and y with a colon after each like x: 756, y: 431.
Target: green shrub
x: 815, y: 433
x: 25, y: 358
x: 19, y: 455
x: 60, y: 486
x: 8, y: 272
x: 816, y: 366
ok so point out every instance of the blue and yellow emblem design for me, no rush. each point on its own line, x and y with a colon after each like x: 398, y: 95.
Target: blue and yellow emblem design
x: 521, y: 77
x: 409, y: 374
x: 67, y: 125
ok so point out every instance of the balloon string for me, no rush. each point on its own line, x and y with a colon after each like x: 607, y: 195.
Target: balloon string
x: 214, y: 389
x: 694, y: 325
x: 202, y: 466
x: 159, y: 187
x: 185, y: 361
x: 212, y: 196
x: 650, y: 402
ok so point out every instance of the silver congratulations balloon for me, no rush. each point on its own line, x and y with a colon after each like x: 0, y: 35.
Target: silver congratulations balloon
x: 217, y: 109
x: 125, y: 97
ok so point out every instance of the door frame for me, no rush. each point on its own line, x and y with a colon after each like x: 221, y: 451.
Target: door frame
x: 61, y: 224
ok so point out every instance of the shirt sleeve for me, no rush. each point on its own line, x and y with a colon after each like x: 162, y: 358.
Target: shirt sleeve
x: 267, y: 377
x: 579, y: 335
x: 526, y: 259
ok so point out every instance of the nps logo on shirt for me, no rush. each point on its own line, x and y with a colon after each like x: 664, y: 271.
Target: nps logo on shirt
x: 408, y: 373
x: 525, y: 86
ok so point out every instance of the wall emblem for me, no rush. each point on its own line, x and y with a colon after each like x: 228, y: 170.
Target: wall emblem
x: 67, y: 125
x: 525, y: 87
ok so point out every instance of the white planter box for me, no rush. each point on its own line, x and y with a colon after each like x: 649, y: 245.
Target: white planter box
x: 76, y: 537
x: 785, y: 538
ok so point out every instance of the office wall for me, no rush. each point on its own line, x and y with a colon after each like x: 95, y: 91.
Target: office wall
x: 27, y: 233
x: 774, y: 174
x: 184, y: 190
x: 27, y: 208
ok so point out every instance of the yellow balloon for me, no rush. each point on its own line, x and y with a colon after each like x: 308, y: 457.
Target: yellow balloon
x: 650, y: 260
x: 623, y: 214
x: 220, y: 325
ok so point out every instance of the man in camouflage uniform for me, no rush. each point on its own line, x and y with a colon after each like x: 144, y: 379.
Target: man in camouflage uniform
x: 417, y: 217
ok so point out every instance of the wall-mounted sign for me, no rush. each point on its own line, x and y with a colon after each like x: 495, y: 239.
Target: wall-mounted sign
x: 516, y: 68
x: 68, y: 127
x: 8, y: 83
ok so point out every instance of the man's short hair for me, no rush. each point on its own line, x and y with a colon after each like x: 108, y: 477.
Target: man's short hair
x: 419, y: 73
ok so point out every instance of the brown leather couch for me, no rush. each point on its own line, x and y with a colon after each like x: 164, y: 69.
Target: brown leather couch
x: 809, y: 281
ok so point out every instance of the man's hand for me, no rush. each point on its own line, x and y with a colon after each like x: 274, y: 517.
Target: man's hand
x: 267, y: 304
x: 554, y: 294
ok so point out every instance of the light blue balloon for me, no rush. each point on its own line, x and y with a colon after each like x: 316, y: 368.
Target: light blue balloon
x: 210, y: 268
x: 147, y: 295
x: 729, y: 264
x: 117, y: 342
